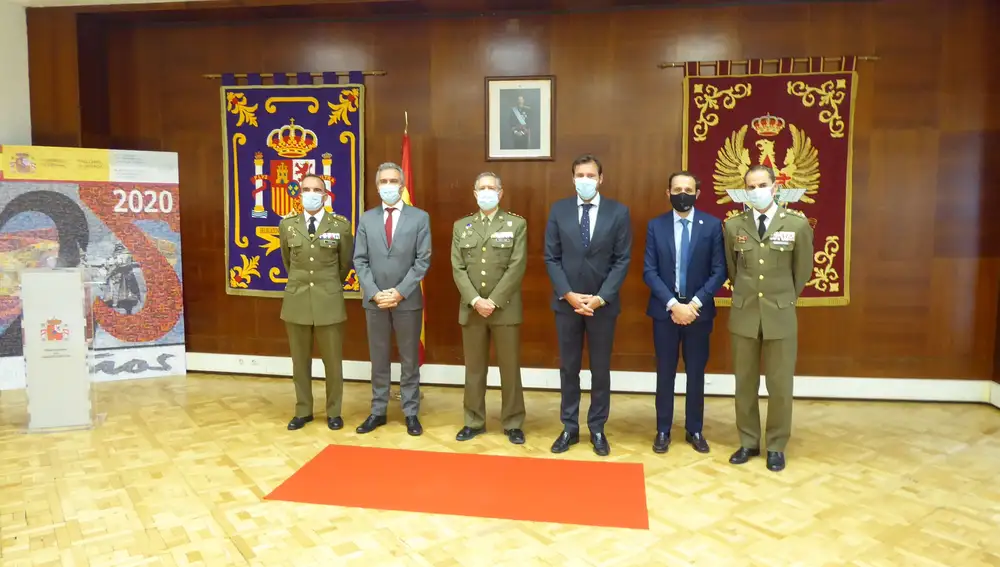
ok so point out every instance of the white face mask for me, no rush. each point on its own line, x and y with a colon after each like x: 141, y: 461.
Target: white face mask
x: 389, y: 194
x: 487, y: 199
x: 760, y: 197
x: 586, y: 187
x: 312, y: 200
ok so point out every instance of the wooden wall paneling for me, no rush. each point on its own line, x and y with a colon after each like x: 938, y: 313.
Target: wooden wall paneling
x: 53, y: 68
x: 925, y: 133
x: 990, y: 195
x: 94, y: 83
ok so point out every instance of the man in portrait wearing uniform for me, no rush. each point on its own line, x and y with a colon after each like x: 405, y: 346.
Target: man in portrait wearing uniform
x: 488, y: 259
x: 392, y: 257
x: 769, y: 256
x: 518, y: 123
x: 316, y: 249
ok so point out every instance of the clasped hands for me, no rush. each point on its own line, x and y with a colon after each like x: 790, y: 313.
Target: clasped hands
x: 583, y: 304
x: 684, y: 313
x: 484, y: 306
x: 387, y: 299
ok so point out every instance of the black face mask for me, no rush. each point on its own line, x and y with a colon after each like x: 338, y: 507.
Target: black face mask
x: 682, y: 202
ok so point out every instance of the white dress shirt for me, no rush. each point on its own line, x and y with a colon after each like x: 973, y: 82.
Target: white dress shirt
x: 596, y: 201
x: 318, y: 216
x: 678, y: 233
x: 395, y: 216
x: 768, y: 215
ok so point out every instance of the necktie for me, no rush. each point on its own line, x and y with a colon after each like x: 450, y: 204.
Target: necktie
x: 388, y: 226
x: 585, y: 225
x: 685, y: 245
x: 312, y: 226
x: 761, y: 229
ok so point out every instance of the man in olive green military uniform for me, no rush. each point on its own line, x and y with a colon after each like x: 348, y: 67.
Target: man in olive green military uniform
x: 769, y: 256
x: 317, y: 248
x: 488, y: 259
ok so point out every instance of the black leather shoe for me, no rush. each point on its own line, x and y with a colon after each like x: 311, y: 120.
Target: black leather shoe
x: 697, y: 440
x: 299, y: 422
x: 371, y: 423
x: 467, y: 433
x: 600, y: 443
x: 742, y: 455
x: 335, y: 423
x: 661, y: 443
x: 565, y: 439
x: 515, y: 436
x: 413, y: 426
x: 775, y: 461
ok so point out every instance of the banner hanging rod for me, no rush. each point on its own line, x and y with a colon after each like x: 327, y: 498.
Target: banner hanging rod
x: 271, y: 75
x: 765, y: 61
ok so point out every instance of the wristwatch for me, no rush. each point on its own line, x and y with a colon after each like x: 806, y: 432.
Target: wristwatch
x: 601, y: 299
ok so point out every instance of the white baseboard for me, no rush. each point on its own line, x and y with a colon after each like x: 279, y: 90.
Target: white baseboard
x: 824, y: 387
x: 110, y: 365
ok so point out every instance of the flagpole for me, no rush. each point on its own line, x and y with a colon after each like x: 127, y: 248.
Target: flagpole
x: 396, y: 393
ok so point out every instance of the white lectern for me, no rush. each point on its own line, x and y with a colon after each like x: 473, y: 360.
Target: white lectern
x: 55, y: 308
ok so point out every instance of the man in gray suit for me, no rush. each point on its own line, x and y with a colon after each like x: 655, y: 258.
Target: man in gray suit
x: 588, y: 244
x: 391, y: 256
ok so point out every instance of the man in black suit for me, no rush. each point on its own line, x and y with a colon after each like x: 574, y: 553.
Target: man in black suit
x: 685, y: 266
x: 588, y: 243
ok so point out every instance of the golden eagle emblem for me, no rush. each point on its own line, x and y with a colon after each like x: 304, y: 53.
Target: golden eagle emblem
x: 800, y: 168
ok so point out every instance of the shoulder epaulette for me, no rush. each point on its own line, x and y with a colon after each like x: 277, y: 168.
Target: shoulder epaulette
x: 796, y: 213
x: 290, y: 215
x: 513, y: 214
x: 340, y: 217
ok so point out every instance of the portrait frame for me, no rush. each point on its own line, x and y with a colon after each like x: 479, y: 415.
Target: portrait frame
x: 520, y: 118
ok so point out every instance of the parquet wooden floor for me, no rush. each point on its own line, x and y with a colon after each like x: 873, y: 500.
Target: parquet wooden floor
x: 177, y: 473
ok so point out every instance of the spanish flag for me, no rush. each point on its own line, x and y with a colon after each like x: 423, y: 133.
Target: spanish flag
x: 408, y: 199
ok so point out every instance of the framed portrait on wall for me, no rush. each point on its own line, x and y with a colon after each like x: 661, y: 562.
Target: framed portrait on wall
x: 520, y: 118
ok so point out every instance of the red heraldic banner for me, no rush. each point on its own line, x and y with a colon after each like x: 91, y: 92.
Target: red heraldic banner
x: 795, y: 116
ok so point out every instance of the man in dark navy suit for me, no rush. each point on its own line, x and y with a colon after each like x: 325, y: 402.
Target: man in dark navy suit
x: 685, y: 266
x: 588, y: 242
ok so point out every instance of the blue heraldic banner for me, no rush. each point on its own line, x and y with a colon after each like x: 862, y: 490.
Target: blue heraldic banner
x: 273, y: 136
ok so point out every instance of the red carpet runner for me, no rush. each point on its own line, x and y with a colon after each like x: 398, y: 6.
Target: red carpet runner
x: 516, y: 488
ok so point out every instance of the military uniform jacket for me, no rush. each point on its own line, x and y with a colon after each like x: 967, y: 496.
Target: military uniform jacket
x: 488, y: 260
x: 317, y: 267
x: 767, y: 274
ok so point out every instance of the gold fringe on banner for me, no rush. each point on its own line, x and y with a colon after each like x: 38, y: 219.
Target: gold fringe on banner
x: 681, y: 64
x: 313, y: 75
